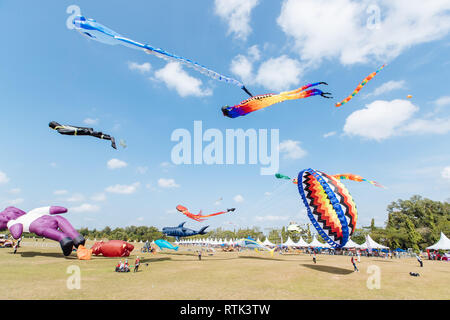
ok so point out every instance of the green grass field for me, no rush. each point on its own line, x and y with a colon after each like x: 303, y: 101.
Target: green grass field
x: 37, y: 272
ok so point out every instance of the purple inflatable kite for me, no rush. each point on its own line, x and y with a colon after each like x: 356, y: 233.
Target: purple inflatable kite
x: 43, y: 222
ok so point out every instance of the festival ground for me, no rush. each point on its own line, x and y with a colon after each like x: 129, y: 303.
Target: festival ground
x: 39, y: 271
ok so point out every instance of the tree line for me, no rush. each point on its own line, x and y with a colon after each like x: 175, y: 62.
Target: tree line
x: 415, y: 223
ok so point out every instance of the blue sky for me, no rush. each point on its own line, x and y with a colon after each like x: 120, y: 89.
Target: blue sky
x: 49, y: 72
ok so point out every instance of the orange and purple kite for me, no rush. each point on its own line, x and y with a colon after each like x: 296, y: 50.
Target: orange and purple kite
x: 262, y: 101
x: 359, y: 87
x: 199, y: 217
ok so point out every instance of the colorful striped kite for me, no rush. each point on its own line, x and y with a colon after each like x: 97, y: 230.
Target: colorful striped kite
x: 96, y: 31
x: 359, y: 87
x: 262, y: 101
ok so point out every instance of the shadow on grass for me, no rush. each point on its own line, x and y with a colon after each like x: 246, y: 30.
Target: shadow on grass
x: 328, y: 269
x: 193, y: 254
x: 261, y: 258
x: 151, y: 260
x: 32, y: 254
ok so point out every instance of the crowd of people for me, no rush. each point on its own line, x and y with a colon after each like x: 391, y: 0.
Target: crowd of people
x: 123, y: 266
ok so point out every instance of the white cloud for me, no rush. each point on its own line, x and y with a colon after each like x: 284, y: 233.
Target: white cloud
x: 442, y: 101
x: 238, y: 198
x: 3, y: 178
x: 329, y: 134
x: 142, y: 170
x: 271, y: 218
x: 98, y: 197
x: 171, y: 211
x: 15, y: 202
x: 237, y: 14
x: 60, y: 192
x: 165, y: 164
x: 291, y: 149
x: 167, y: 183
x: 387, y: 87
x: 15, y: 191
x: 446, y: 173
x: 345, y: 29
x: 176, y: 78
x: 116, y: 164
x: 381, y: 119
x: 85, y: 207
x: 279, y: 73
x: 243, y: 68
x: 123, y: 189
x: 424, y: 126
x: 142, y: 68
x: 77, y: 197
x: 140, y: 219
x: 267, y: 194
x: 53, y: 164
x: 90, y: 121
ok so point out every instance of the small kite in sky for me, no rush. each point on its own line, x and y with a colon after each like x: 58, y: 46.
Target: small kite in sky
x: 200, y: 217
x: 262, y: 101
x: 359, y: 87
x: 81, y: 131
x: 96, y: 31
x: 122, y: 143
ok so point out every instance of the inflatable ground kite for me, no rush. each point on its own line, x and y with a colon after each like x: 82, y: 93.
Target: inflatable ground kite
x: 112, y: 248
x: 161, y: 243
x: 45, y: 222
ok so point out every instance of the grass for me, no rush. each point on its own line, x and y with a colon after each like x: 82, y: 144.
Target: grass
x: 37, y: 272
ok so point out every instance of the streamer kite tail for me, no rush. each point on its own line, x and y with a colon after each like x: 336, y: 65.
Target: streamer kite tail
x: 355, y: 177
x: 359, y: 87
x: 96, y: 31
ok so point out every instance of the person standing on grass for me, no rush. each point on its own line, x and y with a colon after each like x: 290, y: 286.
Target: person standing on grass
x: 355, y: 268
x: 420, y: 260
x: 136, y: 265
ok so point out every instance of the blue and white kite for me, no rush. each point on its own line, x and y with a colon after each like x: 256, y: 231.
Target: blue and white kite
x: 96, y: 31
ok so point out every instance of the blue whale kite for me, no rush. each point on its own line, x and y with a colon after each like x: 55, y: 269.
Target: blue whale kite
x: 181, y: 231
x: 161, y: 243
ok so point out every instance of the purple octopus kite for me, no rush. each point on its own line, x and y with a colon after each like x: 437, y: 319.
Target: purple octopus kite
x: 43, y: 222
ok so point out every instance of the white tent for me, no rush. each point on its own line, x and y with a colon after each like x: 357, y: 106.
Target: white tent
x: 289, y: 243
x: 315, y: 243
x: 371, y: 244
x: 351, y: 244
x: 301, y: 243
x: 442, y: 244
x: 268, y: 243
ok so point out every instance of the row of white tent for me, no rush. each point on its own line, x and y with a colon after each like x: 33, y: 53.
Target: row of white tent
x: 369, y: 244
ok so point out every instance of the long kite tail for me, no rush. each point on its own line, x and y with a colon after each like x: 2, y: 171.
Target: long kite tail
x: 354, y: 177
x: 262, y: 101
x: 359, y: 87
x: 213, y: 214
x: 91, y: 28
